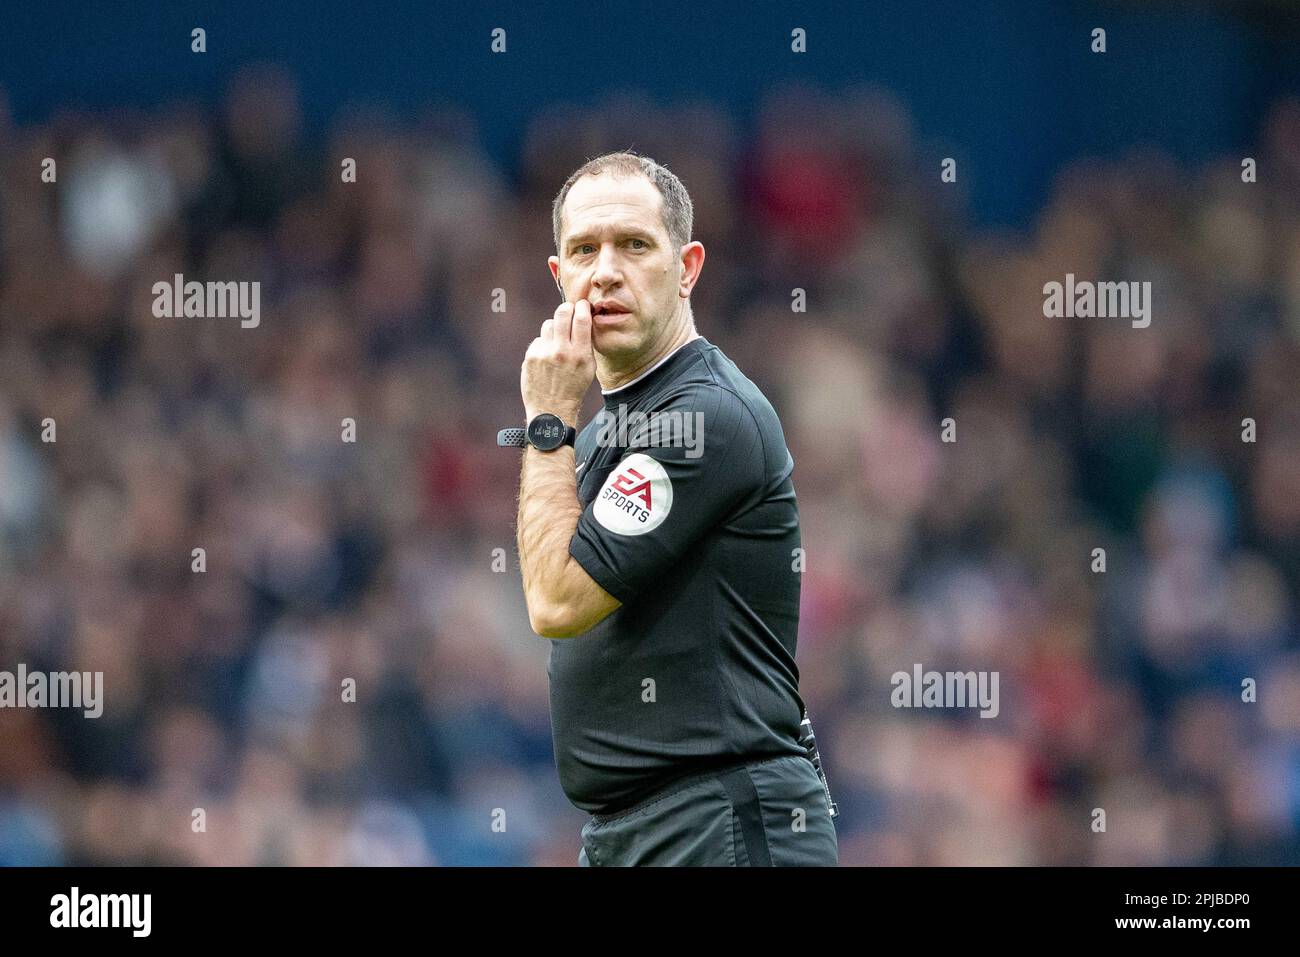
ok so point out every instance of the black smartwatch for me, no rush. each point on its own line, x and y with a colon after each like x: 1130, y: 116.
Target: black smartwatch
x: 546, y: 433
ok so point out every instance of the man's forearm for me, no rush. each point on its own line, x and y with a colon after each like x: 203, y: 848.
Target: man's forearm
x: 562, y: 599
x: 559, y: 366
x: 548, y: 517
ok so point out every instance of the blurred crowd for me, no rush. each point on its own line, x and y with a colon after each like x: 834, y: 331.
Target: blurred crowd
x: 227, y: 736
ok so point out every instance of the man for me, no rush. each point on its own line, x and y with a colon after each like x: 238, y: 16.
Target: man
x: 661, y: 558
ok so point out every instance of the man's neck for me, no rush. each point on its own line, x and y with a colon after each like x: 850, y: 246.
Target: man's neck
x: 616, y: 378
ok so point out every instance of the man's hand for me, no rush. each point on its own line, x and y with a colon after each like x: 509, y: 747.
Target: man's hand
x: 559, y: 364
x: 563, y: 600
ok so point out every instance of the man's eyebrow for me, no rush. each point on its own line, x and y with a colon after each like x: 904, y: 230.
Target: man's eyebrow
x: 619, y: 231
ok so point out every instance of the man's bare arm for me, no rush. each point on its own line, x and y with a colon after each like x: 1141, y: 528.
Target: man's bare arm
x: 563, y: 600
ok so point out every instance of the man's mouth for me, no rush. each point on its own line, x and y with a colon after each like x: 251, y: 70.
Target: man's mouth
x: 609, y: 318
x: 610, y: 310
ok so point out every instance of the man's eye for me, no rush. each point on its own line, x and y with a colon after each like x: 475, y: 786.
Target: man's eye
x: 581, y: 250
x: 641, y: 241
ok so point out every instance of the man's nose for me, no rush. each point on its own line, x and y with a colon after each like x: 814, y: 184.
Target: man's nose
x: 606, y: 271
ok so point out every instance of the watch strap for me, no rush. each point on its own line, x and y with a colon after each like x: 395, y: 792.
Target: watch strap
x: 518, y: 438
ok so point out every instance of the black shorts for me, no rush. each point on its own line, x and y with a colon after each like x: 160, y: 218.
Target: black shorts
x: 770, y: 813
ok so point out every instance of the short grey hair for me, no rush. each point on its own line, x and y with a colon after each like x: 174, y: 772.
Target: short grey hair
x: 677, y: 210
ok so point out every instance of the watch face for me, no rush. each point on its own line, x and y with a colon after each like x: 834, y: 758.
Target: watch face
x: 546, y: 432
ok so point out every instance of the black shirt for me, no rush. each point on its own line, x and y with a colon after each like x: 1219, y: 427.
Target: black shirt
x: 695, y: 533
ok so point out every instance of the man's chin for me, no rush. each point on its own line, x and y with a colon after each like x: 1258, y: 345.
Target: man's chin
x: 616, y: 343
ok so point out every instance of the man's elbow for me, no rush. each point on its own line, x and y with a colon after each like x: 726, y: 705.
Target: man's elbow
x: 554, y: 621
x: 570, y: 609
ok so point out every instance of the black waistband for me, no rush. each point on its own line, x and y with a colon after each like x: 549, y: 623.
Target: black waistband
x: 681, y: 783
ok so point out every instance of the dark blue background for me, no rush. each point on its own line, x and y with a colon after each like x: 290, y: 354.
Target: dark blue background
x: 1010, y: 88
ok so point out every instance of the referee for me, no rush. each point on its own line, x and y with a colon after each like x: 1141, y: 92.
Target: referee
x: 658, y: 551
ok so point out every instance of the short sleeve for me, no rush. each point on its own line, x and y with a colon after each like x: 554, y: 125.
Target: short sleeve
x: 701, y: 457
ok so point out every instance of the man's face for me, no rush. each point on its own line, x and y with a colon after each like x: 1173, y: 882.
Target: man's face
x: 615, y: 252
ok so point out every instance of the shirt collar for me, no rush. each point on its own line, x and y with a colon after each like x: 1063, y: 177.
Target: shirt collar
x: 698, y: 341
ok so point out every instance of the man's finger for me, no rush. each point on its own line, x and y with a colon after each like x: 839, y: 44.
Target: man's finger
x: 563, y: 320
x: 582, y: 324
x: 548, y: 330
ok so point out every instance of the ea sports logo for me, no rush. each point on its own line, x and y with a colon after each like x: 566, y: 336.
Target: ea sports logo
x: 624, y: 483
x: 636, y: 497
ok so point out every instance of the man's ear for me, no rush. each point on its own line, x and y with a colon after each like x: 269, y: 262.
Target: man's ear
x: 692, y: 263
x: 554, y: 263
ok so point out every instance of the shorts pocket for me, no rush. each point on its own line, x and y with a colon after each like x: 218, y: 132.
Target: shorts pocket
x: 694, y: 827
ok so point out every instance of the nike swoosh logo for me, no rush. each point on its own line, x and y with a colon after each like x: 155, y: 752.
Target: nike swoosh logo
x: 580, y: 468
